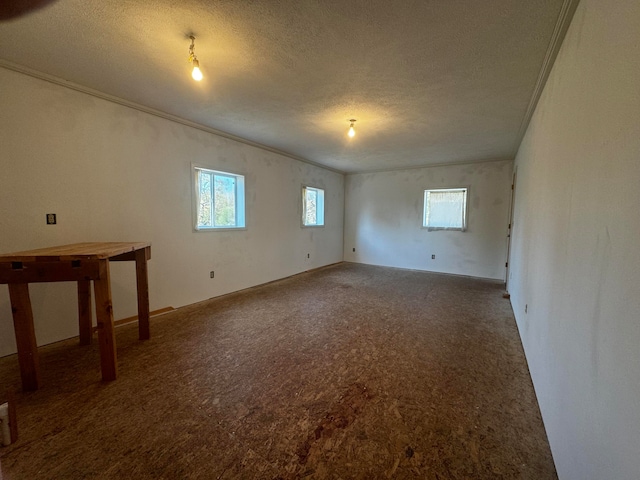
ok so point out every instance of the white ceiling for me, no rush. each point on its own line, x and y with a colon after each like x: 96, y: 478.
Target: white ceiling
x: 429, y: 82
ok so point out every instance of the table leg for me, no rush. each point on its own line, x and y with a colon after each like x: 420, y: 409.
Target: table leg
x: 143, y: 293
x: 84, y: 312
x: 104, y: 319
x: 25, y: 335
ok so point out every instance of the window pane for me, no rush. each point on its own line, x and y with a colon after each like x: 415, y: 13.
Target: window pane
x: 219, y: 200
x: 445, y: 208
x: 311, y: 197
x: 225, y: 201
x: 204, y: 199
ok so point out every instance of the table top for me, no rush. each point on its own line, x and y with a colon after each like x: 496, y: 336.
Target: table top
x: 75, y: 251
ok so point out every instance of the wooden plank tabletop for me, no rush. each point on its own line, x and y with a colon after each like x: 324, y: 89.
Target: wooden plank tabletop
x: 75, y: 251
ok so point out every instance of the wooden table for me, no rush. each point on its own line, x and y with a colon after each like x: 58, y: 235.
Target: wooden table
x: 81, y: 263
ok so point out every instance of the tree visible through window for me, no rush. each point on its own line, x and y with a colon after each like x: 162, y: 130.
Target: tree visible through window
x: 312, y: 206
x: 219, y: 199
x: 445, y: 209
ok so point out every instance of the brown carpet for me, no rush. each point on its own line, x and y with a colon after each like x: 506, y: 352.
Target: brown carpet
x: 350, y: 371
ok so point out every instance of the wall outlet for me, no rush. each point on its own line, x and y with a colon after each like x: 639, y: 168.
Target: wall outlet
x: 526, y: 307
x: 354, y: 249
x: 211, y: 274
x: 433, y: 257
x: 51, y: 218
x: 308, y: 255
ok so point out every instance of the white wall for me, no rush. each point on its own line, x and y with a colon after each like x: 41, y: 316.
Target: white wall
x: 112, y: 173
x: 576, y: 255
x: 383, y: 219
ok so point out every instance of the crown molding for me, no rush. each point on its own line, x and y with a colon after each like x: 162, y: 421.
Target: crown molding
x: 559, y: 32
x: 432, y: 165
x: 152, y: 111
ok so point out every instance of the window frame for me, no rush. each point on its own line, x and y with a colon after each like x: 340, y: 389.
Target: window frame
x: 303, y: 205
x: 239, y: 196
x: 465, y: 210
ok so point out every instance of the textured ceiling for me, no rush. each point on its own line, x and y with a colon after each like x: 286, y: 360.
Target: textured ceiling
x: 429, y: 82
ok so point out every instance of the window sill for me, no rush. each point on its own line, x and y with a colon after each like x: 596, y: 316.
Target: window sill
x: 219, y: 229
x: 443, y: 229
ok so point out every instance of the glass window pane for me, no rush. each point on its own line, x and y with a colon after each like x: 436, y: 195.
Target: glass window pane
x: 445, y: 208
x: 204, y: 199
x: 311, y: 197
x: 312, y: 206
x: 219, y: 200
x: 224, y: 201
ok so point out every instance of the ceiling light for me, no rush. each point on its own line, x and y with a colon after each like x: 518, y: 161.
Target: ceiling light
x: 352, y: 131
x: 196, y: 73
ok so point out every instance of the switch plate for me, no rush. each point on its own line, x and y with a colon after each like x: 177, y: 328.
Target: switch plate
x: 211, y: 274
x: 51, y: 219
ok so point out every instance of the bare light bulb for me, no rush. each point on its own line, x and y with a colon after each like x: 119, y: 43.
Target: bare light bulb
x: 196, y: 73
x: 352, y: 131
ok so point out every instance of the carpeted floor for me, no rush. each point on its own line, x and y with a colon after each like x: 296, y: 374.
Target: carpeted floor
x: 350, y: 371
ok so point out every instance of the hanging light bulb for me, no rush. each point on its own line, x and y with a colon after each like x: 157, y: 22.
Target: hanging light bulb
x: 352, y: 131
x: 196, y: 73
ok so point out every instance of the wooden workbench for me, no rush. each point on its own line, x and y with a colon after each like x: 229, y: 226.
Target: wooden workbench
x: 82, y: 263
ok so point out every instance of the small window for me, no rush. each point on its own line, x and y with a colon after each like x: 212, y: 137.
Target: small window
x: 312, y: 207
x: 445, y: 209
x: 219, y: 199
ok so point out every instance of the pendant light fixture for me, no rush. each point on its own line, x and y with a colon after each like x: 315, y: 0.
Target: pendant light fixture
x: 196, y: 73
x: 352, y: 131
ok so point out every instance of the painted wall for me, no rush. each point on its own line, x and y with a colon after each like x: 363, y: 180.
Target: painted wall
x: 576, y: 250
x: 112, y: 173
x: 383, y: 219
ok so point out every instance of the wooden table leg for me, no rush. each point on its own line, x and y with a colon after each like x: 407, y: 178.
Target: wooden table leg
x: 84, y: 312
x: 104, y: 319
x: 13, y: 418
x: 25, y: 335
x: 142, y: 281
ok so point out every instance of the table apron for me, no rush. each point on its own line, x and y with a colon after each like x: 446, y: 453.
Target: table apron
x: 129, y: 256
x: 56, y: 271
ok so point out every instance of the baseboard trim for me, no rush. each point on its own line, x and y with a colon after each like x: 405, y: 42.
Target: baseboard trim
x: 134, y: 318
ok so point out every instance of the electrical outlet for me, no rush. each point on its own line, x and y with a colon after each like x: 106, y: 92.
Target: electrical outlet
x: 433, y: 257
x: 526, y: 307
x: 51, y: 218
x: 211, y: 274
x: 308, y: 255
x: 354, y: 249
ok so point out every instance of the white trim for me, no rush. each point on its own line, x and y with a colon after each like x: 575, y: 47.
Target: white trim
x: 239, y: 195
x: 432, y: 165
x: 561, y: 27
x: 465, y: 219
x: 321, y: 197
